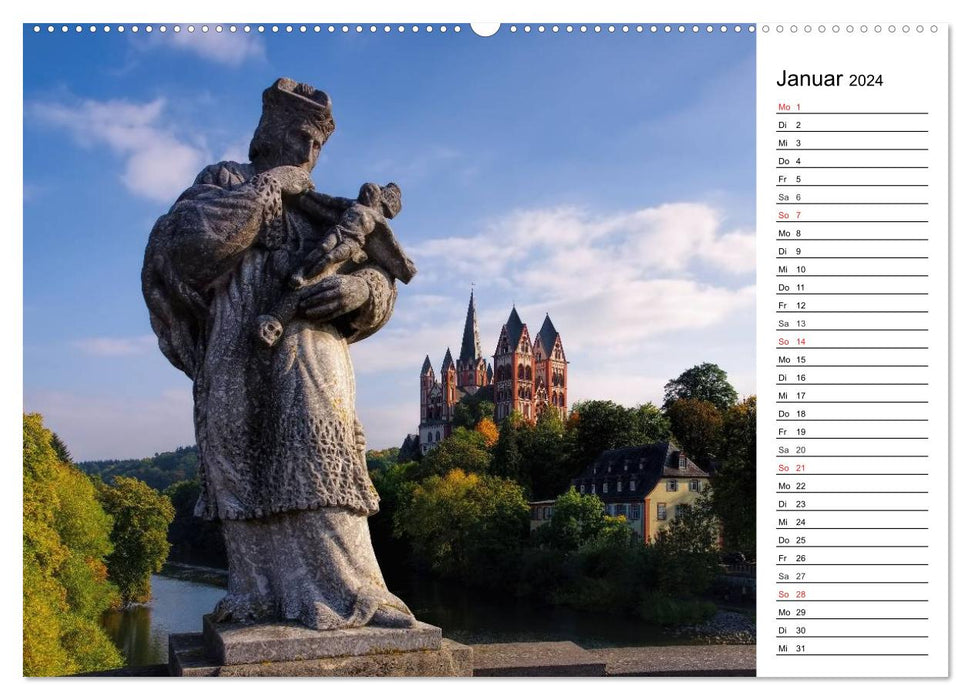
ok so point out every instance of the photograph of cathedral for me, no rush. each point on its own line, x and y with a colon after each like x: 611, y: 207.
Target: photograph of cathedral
x: 525, y: 375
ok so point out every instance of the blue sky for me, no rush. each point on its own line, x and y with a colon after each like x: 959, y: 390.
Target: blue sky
x: 605, y: 179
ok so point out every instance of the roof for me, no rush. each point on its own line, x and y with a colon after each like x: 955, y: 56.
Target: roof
x: 426, y: 366
x: 646, y: 464
x: 489, y: 372
x: 514, y: 327
x: 547, y: 335
x: 447, y: 362
x: 471, y: 350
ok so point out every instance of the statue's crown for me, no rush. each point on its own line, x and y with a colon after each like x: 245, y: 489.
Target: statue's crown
x: 289, y: 101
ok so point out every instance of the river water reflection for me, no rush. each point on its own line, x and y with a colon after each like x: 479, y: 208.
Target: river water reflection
x: 467, y: 616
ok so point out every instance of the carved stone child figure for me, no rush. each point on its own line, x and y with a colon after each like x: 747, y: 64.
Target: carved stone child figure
x: 344, y: 242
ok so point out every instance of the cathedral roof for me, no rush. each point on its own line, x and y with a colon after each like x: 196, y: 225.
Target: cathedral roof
x: 514, y: 327
x: 471, y: 350
x: 547, y: 335
x: 426, y: 366
x: 489, y: 372
x: 448, y: 362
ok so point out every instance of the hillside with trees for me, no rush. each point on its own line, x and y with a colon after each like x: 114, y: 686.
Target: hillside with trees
x: 159, y: 472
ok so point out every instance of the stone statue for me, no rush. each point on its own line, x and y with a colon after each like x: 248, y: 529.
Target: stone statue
x: 281, y: 450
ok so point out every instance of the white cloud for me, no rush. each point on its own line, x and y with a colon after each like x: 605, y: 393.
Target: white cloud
x: 158, y: 164
x: 100, y: 427
x: 115, y: 346
x: 228, y: 49
x: 567, y: 241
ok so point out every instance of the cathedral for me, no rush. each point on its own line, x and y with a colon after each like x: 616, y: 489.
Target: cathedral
x: 525, y: 375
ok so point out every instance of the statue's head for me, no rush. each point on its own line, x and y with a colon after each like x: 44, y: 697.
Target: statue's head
x: 295, y: 124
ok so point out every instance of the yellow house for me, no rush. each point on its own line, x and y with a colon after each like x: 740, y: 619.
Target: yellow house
x: 649, y: 485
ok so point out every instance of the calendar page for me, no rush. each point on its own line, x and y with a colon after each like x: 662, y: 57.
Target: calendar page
x: 524, y: 349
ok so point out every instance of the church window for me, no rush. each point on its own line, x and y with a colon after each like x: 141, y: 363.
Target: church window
x: 438, y: 436
x: 429, y: 437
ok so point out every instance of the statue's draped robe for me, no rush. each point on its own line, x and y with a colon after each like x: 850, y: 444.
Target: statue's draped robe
x: 276, y: 427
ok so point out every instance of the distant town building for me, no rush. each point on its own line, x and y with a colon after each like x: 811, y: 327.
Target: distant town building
x: 540, y: 513
x: 525, y: 376
x: 649, y: 485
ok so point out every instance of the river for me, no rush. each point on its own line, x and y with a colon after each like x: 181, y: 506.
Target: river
x: 467, y: 616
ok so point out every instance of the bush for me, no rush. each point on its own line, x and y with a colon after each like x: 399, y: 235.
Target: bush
x: 660, y: 609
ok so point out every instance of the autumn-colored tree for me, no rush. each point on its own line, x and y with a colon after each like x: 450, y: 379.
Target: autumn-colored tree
x: 65, y: 542
x: 142, y: 517
x: 487, y: 428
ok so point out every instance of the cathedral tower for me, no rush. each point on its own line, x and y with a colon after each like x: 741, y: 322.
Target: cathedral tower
x: 471, y: 366
x: 514, y: 370
x: 550, y: 363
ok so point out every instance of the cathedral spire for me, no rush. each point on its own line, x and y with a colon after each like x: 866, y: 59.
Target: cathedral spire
x: 471, y: 350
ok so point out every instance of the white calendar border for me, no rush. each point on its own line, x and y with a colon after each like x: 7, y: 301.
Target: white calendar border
x: 516, y: 11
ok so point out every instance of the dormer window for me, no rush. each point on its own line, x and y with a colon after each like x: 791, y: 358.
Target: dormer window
x: 682, y: 461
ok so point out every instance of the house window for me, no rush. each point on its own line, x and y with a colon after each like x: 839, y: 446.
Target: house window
x: 672, y: 484
x: 605, y: 487
x: 632, y: 484
x: 662, y: 511
x: 618, y: 486
x: 547, y: 512
x: 680, y: 510
x: 695, y: 485
x: 682, y: 462
x: 635, y: 512
x: 583, y: 488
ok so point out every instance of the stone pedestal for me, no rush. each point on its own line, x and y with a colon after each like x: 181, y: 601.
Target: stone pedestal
x: 290, y: 649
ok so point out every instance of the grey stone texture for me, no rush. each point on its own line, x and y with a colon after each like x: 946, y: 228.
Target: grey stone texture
x: 188, y: 657
x: 281, y: 449
x: 694, y: 660
x: 244, y: 644
x: 527, y: 659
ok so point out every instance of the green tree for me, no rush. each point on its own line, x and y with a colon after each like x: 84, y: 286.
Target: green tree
x: 576, y: 519
x: 705, y: 382
x: 545, y: 449
x: 65, y: 541
x: 697, y: 427
x: 649, y: 424
x: 466, y: 526
x: 507, y: 458
x: 193, y: 540
x: 464, y: 449
x: 142, y: 517
x: 596, y: 426
x: 734, y: 482
x: 472, y: 408
x: 686, y: 551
